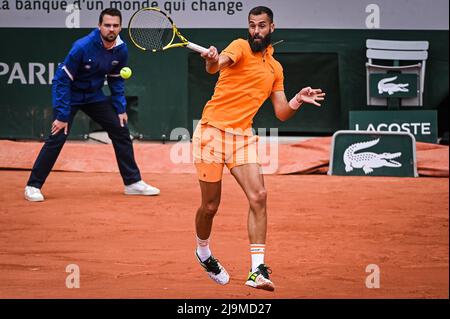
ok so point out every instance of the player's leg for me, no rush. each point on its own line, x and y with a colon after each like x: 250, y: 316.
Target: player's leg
x: 105, y: 115
x: 46, y: 160
x: 211, y: 193
x: 208, y: 158
x: 250, y: 178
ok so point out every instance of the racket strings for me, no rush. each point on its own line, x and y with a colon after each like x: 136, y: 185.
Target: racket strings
x: 151, y: 30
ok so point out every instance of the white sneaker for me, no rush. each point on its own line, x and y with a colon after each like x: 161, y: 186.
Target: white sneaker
x: 260, y: 278
x: 33, y: 194
x: 214, y: 269
x: 141, y: 188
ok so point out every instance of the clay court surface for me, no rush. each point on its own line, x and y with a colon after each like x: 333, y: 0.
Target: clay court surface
x: 323, y: 231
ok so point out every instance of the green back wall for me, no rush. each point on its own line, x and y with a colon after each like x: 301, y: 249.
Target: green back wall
x: 168, y: 90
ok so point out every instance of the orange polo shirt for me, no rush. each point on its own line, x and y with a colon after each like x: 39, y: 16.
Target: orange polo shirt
x: 243, y: 87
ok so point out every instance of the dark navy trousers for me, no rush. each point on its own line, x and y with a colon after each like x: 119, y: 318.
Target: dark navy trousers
x: 104, y: 114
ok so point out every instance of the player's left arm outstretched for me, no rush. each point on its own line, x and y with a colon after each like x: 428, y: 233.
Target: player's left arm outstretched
x: 284, y: 110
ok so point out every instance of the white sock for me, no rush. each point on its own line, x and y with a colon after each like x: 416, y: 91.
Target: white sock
x: 257, y: 253
x: 203, y: 248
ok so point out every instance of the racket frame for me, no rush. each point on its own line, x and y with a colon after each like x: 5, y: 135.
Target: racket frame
x: 184, y: 42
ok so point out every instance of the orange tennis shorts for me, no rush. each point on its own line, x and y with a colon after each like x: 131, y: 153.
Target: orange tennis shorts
x: 213, y: 149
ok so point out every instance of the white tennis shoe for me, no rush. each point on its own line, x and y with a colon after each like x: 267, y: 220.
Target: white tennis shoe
x: 141, y: 188
x: 214, y: 269
x: 260, y: 278
x: 33, y: 194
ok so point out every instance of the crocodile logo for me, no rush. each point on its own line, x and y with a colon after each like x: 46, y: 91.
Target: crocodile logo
x: 385, y: 85
x: 368, y: 160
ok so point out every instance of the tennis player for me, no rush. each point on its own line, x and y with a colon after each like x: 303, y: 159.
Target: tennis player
x: 249, y: 74
x: 77, y: 85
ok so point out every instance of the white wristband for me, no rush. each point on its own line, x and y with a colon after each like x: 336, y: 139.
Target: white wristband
x: 294, y: 103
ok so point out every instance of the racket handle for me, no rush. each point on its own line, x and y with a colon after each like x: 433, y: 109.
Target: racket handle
x: 196, y: 47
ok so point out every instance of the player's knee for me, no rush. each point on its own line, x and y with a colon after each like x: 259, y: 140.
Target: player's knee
x: 258, y: 198
x: 210, y: 209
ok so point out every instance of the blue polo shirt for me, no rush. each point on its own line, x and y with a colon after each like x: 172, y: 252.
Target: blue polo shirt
x: 80, y: 78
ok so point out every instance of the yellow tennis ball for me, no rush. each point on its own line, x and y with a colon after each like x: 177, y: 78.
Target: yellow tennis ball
x: 125, y: 73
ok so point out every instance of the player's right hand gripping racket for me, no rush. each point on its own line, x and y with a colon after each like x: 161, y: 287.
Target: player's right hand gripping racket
x: 151, y: 29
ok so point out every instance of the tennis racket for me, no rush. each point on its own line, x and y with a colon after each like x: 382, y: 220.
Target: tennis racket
x: 151, y: 29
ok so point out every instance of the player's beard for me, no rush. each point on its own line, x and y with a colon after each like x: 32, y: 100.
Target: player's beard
x: 110, y: 37
x: 259, y: 46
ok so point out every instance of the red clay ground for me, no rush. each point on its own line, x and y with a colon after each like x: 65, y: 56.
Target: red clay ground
x: 323, y: 232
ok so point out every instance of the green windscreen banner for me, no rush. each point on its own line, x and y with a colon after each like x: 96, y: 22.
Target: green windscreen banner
x: 373, y: 154
x: 422, y: 124
x: 170, y: 89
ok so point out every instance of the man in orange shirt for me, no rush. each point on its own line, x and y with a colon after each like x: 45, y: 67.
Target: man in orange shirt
x: 249, y: 75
